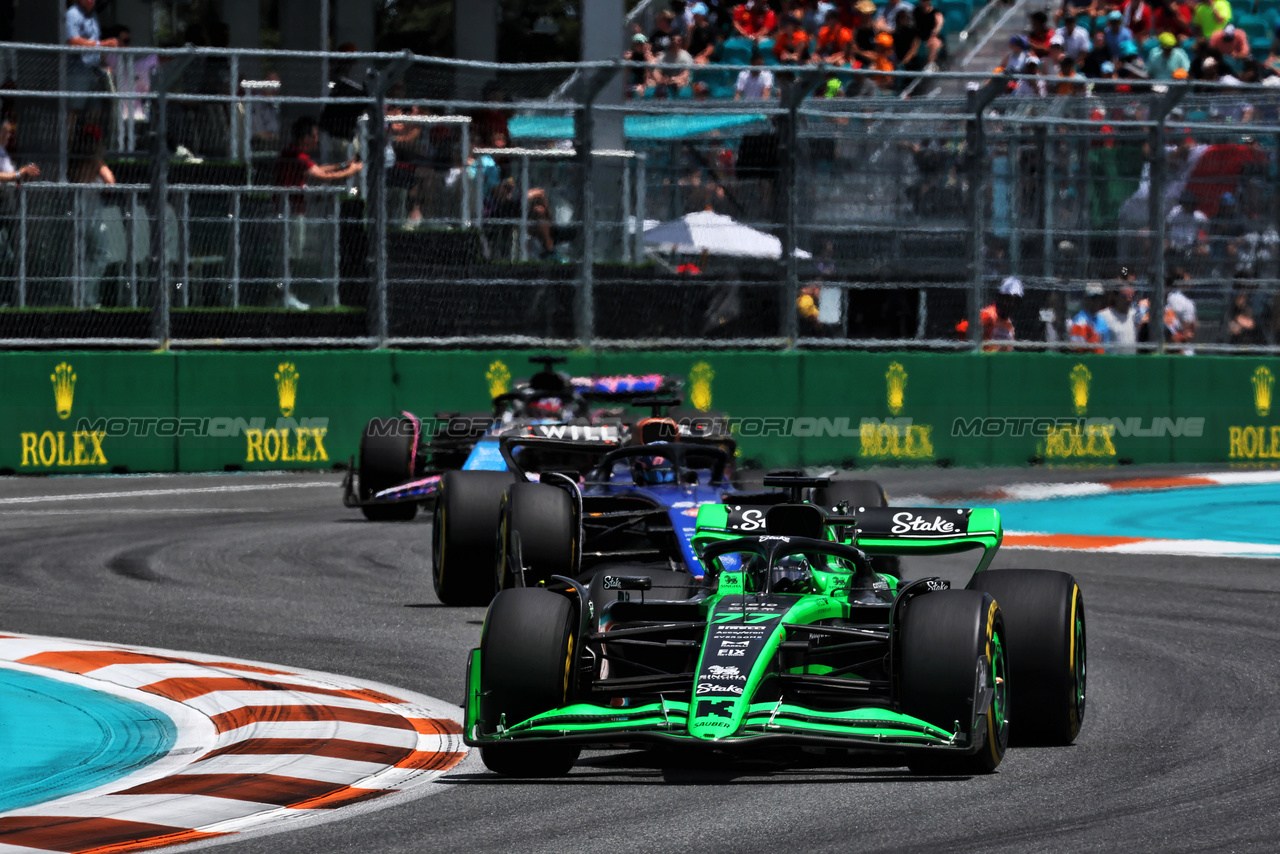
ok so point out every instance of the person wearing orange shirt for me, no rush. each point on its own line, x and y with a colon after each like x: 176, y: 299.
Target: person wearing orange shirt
x: 833, y: 38
x: 791, y: 47
x: 997, y: 318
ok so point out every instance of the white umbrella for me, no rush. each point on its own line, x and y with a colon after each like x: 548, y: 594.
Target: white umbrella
x: 715, y: 234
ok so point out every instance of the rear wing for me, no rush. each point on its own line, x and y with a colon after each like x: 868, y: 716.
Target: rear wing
x: 625, y: 387
x: 925, y: 531
x: 877, y: 531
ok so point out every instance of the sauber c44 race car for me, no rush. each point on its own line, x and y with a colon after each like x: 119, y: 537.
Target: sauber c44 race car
x: 790, y: 638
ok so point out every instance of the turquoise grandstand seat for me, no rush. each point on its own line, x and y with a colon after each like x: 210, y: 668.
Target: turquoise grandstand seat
x: 957, y: 14
x: 1256, y: 27
x: 737, y: 51
x: 766, y: 50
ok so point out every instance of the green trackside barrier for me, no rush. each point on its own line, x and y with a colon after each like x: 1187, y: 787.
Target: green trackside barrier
x: 891, y: 408
x: 279, y: 410
x: 101, y: 412
x: 87, y: 412
x: 1237, y: 398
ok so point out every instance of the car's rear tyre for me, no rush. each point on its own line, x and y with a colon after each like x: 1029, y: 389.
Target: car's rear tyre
x: 463, y: 535
x: 1044, y: 622
x: 950, y: 641
x: 386, y: 460
x: 543, y: 518
x: 527, y: 652
x: 859, y: 493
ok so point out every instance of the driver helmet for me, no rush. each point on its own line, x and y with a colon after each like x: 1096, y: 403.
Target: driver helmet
x: 791, y: 574
x: 647, y: 471
x: 546, y: 407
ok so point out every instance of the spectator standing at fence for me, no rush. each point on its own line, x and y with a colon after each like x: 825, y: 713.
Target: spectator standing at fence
x: 1167, y: 58
x: 754, y: 20
x: 1180, y: 321
x: 755, y: 83
x: 295, y: 168
x: 1031, y: 85
x: 9, y: 174
x: 1088, y: 330
x: 997, y: 318
x: 1121, y: 319
x: 85, y: 73
x: 1075, y: 38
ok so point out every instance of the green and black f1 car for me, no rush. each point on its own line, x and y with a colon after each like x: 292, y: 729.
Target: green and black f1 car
x: 791, y: 638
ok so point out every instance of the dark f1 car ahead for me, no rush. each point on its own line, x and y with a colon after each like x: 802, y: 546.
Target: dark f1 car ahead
x: 791, y: 638
x: 402, y: 460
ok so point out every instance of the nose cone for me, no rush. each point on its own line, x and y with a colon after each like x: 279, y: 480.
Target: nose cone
x: 716, y: 716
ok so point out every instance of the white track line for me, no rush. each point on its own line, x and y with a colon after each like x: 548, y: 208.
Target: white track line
x: 151, y: 493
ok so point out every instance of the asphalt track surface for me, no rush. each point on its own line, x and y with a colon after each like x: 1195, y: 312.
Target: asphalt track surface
x: 1179, y: 750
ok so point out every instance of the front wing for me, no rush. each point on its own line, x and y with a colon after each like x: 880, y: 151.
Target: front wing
x: 666, y: 722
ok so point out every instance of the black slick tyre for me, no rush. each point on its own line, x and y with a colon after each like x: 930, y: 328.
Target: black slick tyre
x: 951, y: 642
x: 386, y: 460
x: 463, y: 535
x: 527, y: 654
x: 1044, y: 621
x: 542, y: 518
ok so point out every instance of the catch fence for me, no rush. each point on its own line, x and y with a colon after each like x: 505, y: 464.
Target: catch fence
x: 501, y: 204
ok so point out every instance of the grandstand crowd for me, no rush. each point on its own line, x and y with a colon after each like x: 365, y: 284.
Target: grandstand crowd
x: 1071, y: 47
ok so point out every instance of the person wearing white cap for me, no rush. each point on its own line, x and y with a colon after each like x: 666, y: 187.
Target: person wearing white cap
x: 1231, y: 41
x: 1088, y: 330
x: 997, y: 318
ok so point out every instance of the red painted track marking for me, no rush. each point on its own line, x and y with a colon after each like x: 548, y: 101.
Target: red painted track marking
x: 56, y: 833
x: 1159, y: 482
x: 186, y: 688
x: 246, y: 715
x: 334, y: 748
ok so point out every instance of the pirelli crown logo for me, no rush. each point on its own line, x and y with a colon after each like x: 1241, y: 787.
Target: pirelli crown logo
x: 287, y: 387
x: 700, y: 378
x: 499, y: 378
x: 1263, y: 380
x: 64, y: 389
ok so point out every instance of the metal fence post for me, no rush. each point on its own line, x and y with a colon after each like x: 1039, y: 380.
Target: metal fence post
x: 792, y: 96
x: 584, y: 147
x: 1159, y: 180
x: 379, y: 82
x: 164, y: 81
x: 978, y: 100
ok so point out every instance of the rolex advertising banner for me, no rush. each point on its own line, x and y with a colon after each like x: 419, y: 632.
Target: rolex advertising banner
x: 1082, y: 410
x: 891, y: 409
x: 1236, y: 397
x: 87, y: 412
x: 83, y: 412
x: 282, y: 410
